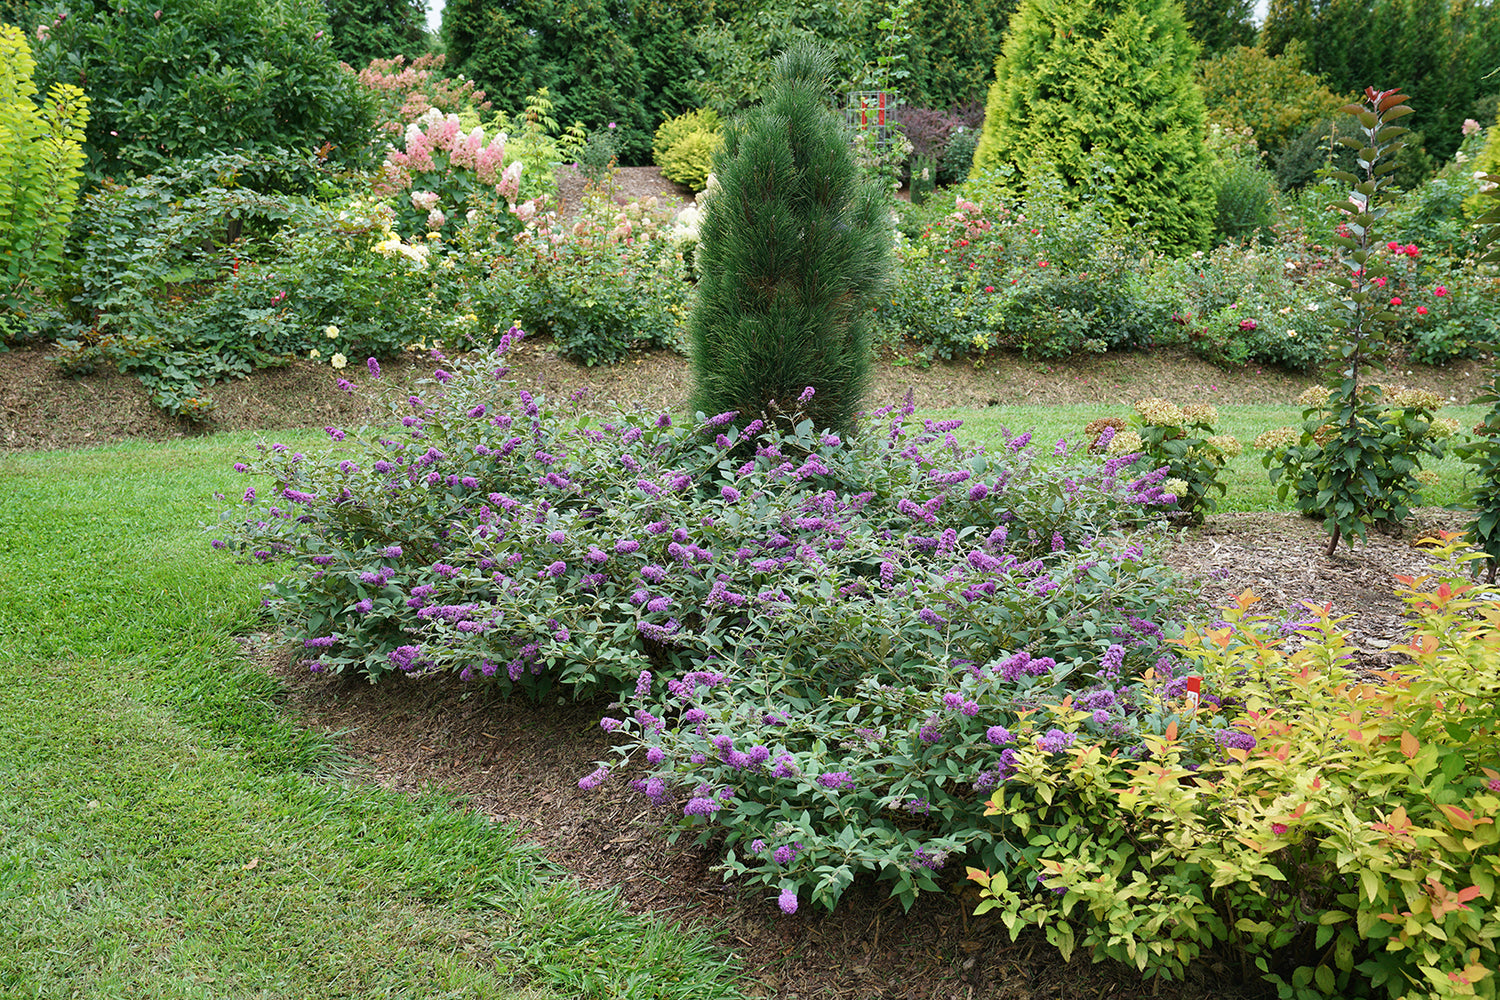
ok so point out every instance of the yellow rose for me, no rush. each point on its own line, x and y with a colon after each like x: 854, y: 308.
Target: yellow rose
x: 338, y: 361
x: 332, y: 331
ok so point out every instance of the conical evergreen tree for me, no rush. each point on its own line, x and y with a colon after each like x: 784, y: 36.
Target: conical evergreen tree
x: 794, y: 252
x: 1102, y: 91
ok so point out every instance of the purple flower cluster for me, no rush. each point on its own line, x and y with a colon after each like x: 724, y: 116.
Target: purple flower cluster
x: 1055, y: 741
x: 1234, y: 739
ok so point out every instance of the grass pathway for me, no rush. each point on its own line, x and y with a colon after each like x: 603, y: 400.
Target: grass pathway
x: 164, y: 832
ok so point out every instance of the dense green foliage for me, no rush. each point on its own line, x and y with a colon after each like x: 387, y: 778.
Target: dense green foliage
x: 363, y: 30
x: 1442, y: 54
x: 1272, y: 95
x: 1218, y: 25
x: 1102, y: 95
x: 623, y: 61
x: 793, y: 255
x: 40, y: 159
x: 173, y: 80
x: 684, y: 147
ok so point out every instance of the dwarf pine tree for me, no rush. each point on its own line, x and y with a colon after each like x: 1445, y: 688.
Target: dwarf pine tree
x: 1101, y: 93
x: 794, y: 252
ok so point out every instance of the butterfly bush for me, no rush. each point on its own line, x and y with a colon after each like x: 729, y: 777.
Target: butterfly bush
x: 825, y: 646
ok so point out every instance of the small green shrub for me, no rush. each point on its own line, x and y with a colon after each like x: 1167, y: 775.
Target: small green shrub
x: 1042, y: 280
x: 1245, y: 191
x: 1390, y: 429
x: 691, y: 159
x: 1182, y: 440
x: 672, y: 131
x: 1359, y: 467
x: 794, y: 253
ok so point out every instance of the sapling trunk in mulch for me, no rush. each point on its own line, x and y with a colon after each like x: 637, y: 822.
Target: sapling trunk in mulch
x: 794, y: 254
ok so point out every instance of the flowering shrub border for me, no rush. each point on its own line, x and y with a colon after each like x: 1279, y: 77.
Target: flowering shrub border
x: 891, y: 582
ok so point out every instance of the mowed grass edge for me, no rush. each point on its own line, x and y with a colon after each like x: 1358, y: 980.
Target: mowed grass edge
x: 166, y: 832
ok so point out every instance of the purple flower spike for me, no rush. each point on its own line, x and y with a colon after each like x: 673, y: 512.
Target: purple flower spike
x: 787, y: 901
x: 803, y: 400
x: 374, y: 367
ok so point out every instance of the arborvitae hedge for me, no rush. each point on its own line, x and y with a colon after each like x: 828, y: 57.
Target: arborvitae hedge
x: 1441, y: 54
x: 1101, y: 93
x: 794, y: 252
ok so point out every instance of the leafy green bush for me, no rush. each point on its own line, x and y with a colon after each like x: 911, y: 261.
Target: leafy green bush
x: 762, y: 578
x: 363, y: 30
x: 691, y: 160
x: 1359, y: 466
x: 176, y: 80
x: 587, y: 55
x: 1357, y: 457
x: 1046, y: 281
x: 1340, y: 834
x: 600, y: 284
x: 1245, y: 191
x: 1182, y: 440
x: 40, y: 157
x: 1272, y: 95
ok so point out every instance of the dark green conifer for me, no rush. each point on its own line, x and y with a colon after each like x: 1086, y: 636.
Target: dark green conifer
x: 794, y: 253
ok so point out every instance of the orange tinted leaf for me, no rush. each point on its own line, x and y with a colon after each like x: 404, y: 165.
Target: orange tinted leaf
x: 1409, y: 744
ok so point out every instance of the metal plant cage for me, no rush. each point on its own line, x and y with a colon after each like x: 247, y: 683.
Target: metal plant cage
x: 873, y: 112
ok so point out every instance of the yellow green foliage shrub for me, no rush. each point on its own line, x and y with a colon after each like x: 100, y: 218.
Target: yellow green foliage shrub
x: 684, y: 147
x: 41, y: 157
x: 1343, y: 837
x: 1273, y: 95
x: 1487, y: 165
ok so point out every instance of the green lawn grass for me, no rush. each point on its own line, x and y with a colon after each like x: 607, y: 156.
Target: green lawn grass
x: 165, y: 832
x: 1249, y: 486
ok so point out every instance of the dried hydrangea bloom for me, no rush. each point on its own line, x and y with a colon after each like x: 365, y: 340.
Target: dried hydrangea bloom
x: 1412, y: 399
x: 1157, y: 412
x: 1280, y: 437
x: 1317, y: 395
x: 1201, y: 413
x: 1443, y: 427
x: 1124, y: 443
x: 1226, y: 443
